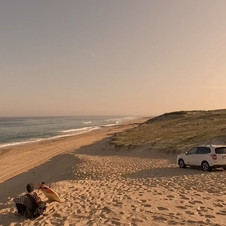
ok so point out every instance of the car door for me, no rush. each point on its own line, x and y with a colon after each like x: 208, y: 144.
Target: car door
x: 191, y: 156
x: 199, y: 155
x: 202, y: 155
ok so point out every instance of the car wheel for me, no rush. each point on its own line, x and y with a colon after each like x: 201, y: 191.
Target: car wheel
x: 206, y: 167
x: 181, y: 163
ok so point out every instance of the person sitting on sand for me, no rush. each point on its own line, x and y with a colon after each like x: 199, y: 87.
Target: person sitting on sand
x: 30, y: 205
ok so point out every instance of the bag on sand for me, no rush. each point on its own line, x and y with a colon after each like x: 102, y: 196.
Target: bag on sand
x: 38, y: 208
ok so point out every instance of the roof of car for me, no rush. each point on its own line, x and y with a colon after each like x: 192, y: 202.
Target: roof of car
x: 213, y: 145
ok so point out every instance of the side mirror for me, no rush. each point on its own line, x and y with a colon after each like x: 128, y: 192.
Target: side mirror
x: 186, y: 153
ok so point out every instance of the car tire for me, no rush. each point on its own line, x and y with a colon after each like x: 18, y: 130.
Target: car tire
x: 181, y: 163
x: 205, y: 166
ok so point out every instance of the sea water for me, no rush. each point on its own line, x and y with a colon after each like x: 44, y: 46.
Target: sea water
x: 19, y: 130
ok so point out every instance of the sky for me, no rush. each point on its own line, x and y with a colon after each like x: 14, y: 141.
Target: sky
x: 111, y: 57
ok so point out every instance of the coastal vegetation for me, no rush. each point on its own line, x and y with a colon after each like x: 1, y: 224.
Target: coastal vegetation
x: 175, y: 132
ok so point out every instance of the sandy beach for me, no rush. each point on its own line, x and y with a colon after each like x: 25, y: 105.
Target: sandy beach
x: 103, y: 185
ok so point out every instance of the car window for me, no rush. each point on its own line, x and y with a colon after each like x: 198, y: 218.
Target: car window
x: 220, y: 150
x: 192, y: 151
x: 203, y: 150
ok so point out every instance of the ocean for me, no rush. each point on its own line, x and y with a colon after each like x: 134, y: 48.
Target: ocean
x: 21, y: 130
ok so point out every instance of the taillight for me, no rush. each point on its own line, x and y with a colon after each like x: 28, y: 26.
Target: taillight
x: 214, y: 156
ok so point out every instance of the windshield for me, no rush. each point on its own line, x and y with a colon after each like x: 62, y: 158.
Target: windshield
x: 220, y: 150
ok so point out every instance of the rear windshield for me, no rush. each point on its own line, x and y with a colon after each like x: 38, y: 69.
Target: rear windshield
x: 220, y: 150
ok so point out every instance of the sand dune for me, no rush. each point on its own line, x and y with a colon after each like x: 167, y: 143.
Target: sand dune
x: 99, y: 185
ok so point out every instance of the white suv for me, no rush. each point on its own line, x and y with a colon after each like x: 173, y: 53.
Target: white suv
x: 207, y: 156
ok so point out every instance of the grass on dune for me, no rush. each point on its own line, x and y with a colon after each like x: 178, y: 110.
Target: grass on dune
x: 176, y: 131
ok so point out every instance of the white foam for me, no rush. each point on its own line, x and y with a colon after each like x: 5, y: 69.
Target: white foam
x: 87, y: 122
x: 113, y: 124
x: 76, y: 130
x: 71, y: 132
x: 19, y: 143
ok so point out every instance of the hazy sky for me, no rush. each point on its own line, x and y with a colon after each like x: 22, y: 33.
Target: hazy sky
x: 111, y: 57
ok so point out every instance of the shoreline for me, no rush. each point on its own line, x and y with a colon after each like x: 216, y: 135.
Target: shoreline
x: 68, y: 132
x: 44, y: 150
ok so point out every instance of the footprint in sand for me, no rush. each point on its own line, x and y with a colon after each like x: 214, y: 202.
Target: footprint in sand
x: 189, y: 212
x: 223, y: 212
x: 133, y: 224
x: 220, y: 200
x: 121, y: 213
x: 181, y: 207
x: 115, y: 222
x: 170, y: 196
x: 172, y: 222
x: 211, y: 190
x: 196, y: 194
x: 207, y: 198
x: 184, y: 197
x: 79, y: 211
x: 106, y: 210
x: 218, y: 205
x: 147, y: 205
x: 118, y: 204
x: 56, y: 215
x: 158, y: 218
x: 195, y: 201
x: 137, y: 220
x: 162, y: 208
x: 203, y: 208
x: 209, y: 216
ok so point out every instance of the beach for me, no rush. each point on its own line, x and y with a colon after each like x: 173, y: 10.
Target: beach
x: 100, y: 184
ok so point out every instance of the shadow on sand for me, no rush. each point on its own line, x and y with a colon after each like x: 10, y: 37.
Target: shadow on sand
x: 168, y: 172
x: 164, y: 172
x: 56, y: 169
x: 104, y: 148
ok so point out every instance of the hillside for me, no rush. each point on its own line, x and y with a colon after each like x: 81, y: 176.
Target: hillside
x: 177, y: 131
